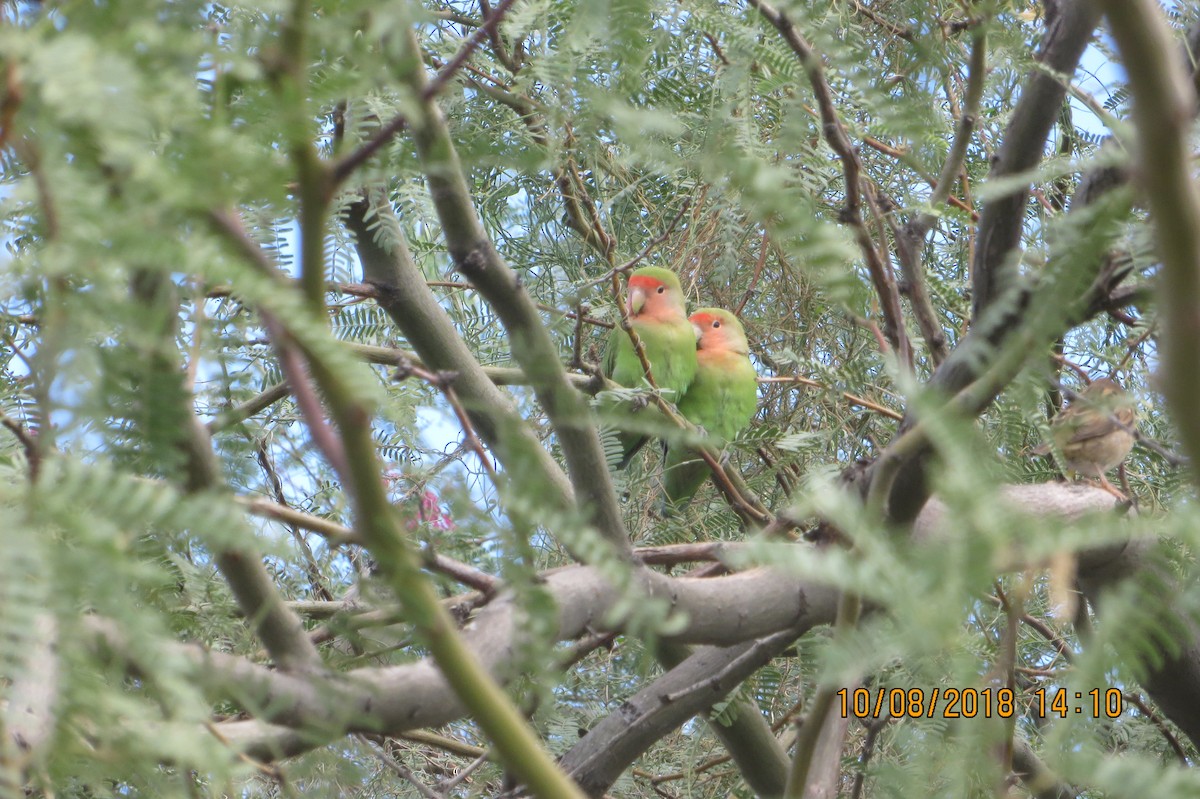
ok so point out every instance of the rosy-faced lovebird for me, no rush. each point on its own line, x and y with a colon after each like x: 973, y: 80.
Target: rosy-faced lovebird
x: 655, y: 305
x: 721, y: 400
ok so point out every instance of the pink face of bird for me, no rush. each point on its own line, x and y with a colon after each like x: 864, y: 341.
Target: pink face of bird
x: 715, y: 333
x: 650, y: 298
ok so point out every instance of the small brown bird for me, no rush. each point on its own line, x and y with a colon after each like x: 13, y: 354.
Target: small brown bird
x: 1095, y: 432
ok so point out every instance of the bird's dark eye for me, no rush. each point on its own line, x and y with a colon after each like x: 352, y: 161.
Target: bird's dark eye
x: 661, y: 289
x: 716, y: 325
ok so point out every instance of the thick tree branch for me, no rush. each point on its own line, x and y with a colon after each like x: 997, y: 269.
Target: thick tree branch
x: 380, y: 526
x: 532, y: 347
x: 32, y: 691
x: 986, y: 361
x: 1163, y: 110
x: 692, y: 687
x: 1041, y: 782
x: 994, y: 270
x: 994, y: 331
x: 747, y: 737
x: 397, y: 698
x: 720, y: 612
x: 402, y: 293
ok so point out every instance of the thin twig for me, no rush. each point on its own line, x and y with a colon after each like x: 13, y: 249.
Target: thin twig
x: 40, y: 389
x: 1066, y: 654
x: 28, y: 151
x: 28, y: 443
x: 716, y: 46
x: 500, y: 375
x: 241, y: 413
x: 584, y: 646
x: 1042, y: 629
x: 336, y: 534
x: 899, y: 31
x: 1170, y: 456
x: 443, y: 381
x: 450, y: 784
x: 501, y: 52
x: 641, y: 256
x: 193, y: 364
x: 451, y: 745
x: 869, y: 324
x: 874, y: 727
x: 577, y: 337
x: 315, y: 577
x: 758, y: 269
x: 307, y: 401
x: 13, y: 95
x: 346, y: 166
x: 1004, y: 670
x: 911, y: 239
x: 1157, y: 720
x: 468, y: 575
x: 837, y: 139
x: 229, y: 223
x: 397, y: 768
x: 905, y: 157
x: 854, y: 399
x: 439, y: 81
x: 366, y: 290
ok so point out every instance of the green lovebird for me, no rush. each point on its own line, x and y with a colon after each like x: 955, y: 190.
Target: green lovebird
x: 721, y: 400
x: 656, y: 310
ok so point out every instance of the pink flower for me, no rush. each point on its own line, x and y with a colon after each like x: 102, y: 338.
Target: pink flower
x: 432, y: 513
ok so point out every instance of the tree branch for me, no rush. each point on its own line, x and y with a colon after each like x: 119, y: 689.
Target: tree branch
x: 344, y: 168
x: 232, y: 417
x: 722, y: 611
x: 1040, y: 780
x: 747, y: 737
x: 1163, y: 109
x: 911, y: 238
x: 279, y: 629
x: 699, y: 681
x: 402, y: 293
x: 532, y: 347
x: 994, y: 269
x: 835, y: 135
x: 393, y: 699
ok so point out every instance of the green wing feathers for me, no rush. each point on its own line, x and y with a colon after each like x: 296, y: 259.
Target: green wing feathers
x: 722, y: 400
x: 656, y: 313
x: 671, y: 351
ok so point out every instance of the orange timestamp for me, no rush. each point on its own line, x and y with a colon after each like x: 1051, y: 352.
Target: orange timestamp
x: 1099, y: 704
x: 947, y: 703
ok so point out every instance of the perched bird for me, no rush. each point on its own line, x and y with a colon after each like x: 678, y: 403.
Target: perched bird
x: 721, y: 400
x: 1095, y: 432
x: 656, y: 310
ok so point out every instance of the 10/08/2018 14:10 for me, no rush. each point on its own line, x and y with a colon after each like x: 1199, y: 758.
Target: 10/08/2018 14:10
x: 972, y: 702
